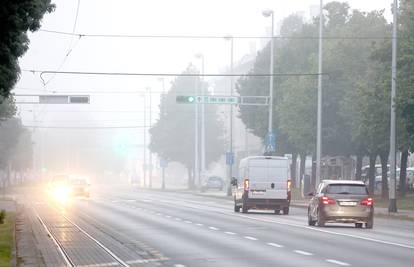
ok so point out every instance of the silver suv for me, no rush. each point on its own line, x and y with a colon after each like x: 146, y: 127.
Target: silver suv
x: 342, y: 201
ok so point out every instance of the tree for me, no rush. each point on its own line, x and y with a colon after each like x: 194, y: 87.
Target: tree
x: 16, y: 18
x: 173, y: 135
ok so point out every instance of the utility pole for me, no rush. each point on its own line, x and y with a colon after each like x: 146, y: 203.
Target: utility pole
x: 319, y: 116
x: 144, y: 166
x: 203, y: 127
x: 196, y: 167
x: 392, y: 192
x: 230, y: 164
x: 149, y: 127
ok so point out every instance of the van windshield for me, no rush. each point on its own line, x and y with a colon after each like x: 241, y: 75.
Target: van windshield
x: 347, y: 189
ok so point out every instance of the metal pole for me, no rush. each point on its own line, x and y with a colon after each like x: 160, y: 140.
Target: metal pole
x: 203, y: 129
x: 196, y: 167
x: 392, y: 192
x: 271, y: 77
x: 144, y: 167
x: 319, y: 119
x: 149, y: 151
x: 163, y: 178
x: 230, y: 166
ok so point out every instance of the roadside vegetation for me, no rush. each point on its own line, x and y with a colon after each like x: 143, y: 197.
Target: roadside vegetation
x: 6, y: 237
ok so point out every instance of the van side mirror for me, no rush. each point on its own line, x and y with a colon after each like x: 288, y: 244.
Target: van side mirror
x: 311, y: 194
x: 233, y: 181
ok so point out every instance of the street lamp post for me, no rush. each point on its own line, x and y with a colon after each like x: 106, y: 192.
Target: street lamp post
x: 144, y: 166
x: 203, y: 128
x: 392, y: 192
x: 149, y: 151
x: 230, y: 164
x: 270, y: 13
x: 319, y: 115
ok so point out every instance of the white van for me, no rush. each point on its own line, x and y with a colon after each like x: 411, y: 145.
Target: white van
x: 263, y: 183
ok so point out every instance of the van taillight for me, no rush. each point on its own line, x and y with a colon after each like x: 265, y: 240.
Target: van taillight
x: 246, y: 184
x: 367, y: 201
x: 327, y: 201
x: 289, y: 185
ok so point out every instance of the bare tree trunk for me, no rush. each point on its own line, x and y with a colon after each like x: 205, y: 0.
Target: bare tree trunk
x: 384, y: 175
x: 403, y: 173
x: 293, y: 169
x: 371, y: 173
x: 302, y: 168
x: 358, y: 171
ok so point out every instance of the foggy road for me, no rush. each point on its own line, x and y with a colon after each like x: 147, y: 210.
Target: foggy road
x: 157, y: 228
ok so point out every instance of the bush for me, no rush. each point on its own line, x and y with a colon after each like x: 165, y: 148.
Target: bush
x: 2, y: 216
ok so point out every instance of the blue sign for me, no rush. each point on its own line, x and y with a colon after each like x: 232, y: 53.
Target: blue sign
x: 270, y: 142
x: 163, y: 163
x: 229, y: 158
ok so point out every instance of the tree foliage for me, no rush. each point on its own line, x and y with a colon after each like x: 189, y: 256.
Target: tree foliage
x: 16, y: 18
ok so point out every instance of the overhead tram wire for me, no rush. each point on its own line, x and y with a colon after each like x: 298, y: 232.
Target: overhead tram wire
x: 212, y: 36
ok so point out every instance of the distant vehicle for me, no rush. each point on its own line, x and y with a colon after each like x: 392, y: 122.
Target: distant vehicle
x: 213, y: 182
x: 341, y: 201
x: 59, y: 187
x: 80, y: 187
x: 263, y: 183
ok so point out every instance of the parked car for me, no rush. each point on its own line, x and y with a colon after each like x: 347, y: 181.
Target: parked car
x: 213, y: 182
x: 341, y: 201
x: 263, y: 183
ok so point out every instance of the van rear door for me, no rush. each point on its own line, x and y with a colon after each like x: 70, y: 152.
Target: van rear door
x: 268, y: 178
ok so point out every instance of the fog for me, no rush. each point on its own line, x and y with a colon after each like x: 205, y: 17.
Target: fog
x: 62, y: 140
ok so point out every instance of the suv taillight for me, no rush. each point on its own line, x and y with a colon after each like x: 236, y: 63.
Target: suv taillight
x: 246, y: 184
x: 327, y: 201
x: 367, y: 202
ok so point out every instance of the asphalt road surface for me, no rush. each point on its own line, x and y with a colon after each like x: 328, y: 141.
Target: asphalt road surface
x: 119, y: 226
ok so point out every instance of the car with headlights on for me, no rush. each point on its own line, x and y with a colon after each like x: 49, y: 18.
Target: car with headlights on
x: 341, y: 201
x: 80, y: 187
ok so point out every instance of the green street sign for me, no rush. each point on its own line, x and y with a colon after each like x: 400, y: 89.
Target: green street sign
x: 186, y: 99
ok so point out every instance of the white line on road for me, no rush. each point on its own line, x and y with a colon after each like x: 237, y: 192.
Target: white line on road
x: 199, y: 224
x: 213, y: 228
x: 159, y: 214
x: 275, y: 245
x: 303, y: 252
x: 230, y: 233
x: 105, y: 264
x: 188, y: 221
x: 250, y: 238
x: 179, y: 265
x: 337, y: 262
x: 177, y: 219
x: 325, y: 231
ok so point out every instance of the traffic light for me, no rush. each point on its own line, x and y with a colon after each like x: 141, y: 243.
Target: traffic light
x: 186, y: 99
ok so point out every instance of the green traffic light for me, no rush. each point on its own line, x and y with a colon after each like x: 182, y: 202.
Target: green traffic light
x: 191, y: 99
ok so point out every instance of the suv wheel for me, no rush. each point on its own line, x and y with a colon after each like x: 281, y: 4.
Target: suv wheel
x: 286, y: 210
x: 277, y: 211
x: 358, y: 225
x: 369, y: 224
x: 321, y: 220
x: 310, y: 221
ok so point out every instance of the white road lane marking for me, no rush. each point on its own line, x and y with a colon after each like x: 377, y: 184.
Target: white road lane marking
x: 159, y: 214
x: 338, y: 262
x: 177, y: 219
x: 179, y: 265
x: 230, y: 233
x: 251, y: 238
x: 199, y: 224
x: 275, y: 245
x: 114, y: 263
x: 213, y: 228
x: 147, y: 260
x: 326, y: 231
x: 188, y: 221
x: 167, y: 216
x: 303, y: 252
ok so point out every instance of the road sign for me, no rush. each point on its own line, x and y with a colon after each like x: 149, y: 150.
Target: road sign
x: 163, y: 163
x: 224, y: 100
x: 63, y: 99
x: 217, y: 99
x: 270, y: 142
x: 187, y: 99
x: 229, y: 158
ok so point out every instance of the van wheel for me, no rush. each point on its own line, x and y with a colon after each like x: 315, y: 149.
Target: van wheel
x: 277, y: 211
x: 321, y: 220
x: 370, y: 224
x: 244, y: 209
x: 236, y: 208
x: 286, y: 210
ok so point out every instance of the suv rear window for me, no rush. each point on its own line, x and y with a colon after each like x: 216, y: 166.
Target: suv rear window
x: 347, y: 189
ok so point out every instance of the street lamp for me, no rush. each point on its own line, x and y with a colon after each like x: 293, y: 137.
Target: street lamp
x: 230, y: 164
x: 270, y: 13
x: 319, y: 115
x: 203, y: 125
x: 149, y: 126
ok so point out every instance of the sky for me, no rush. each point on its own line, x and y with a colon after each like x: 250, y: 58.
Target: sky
x: 124, y: 95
